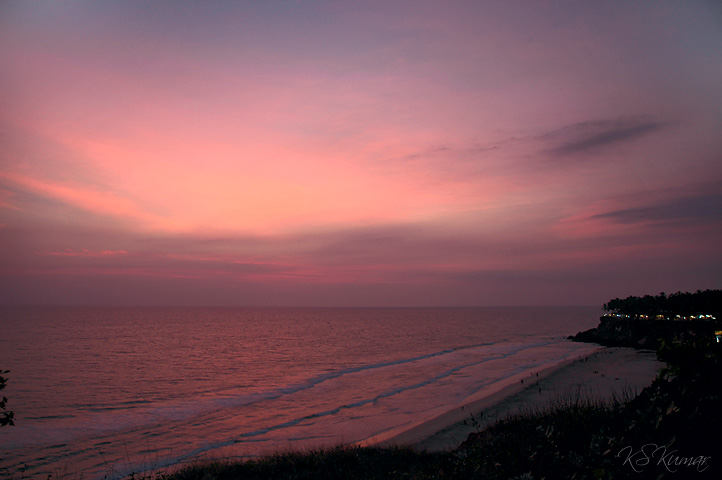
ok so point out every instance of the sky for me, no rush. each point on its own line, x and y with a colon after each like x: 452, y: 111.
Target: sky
x: 347, y: 153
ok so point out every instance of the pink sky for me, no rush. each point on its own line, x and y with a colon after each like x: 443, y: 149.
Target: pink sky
x: 359, y: 153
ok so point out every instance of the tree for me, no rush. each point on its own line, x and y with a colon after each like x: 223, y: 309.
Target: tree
x: 707, y: 302
x: 6, y: 417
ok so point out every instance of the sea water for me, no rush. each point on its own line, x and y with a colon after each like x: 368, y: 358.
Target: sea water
x: 104, y: 392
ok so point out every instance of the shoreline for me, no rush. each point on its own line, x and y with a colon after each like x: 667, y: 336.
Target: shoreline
x: 604, y: 373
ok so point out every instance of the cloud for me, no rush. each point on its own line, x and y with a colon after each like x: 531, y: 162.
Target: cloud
x: 38, y: 196
x: 84, y: 252
x: 705, y: 208
x: 595, y: 135
x: 386, y: 263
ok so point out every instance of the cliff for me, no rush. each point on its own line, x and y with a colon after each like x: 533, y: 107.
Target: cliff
x: 644, y: 334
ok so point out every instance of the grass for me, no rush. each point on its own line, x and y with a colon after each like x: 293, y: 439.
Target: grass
x: 570, y: 439
x: 327, y: 464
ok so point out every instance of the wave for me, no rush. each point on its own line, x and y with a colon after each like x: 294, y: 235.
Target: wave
x: 314, y: 381
x: 254, y: 436
x: 136, y: 414
x: 159, y: 420
x: 190, y: 407
x: 249, y: 436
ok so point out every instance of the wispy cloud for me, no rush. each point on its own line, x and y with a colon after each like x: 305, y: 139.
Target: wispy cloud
x: 592, y: 136
x: 105, y: 202
x: 705, y: 208
x: 70, y: 252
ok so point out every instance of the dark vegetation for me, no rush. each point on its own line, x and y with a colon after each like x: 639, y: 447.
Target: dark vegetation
x: 679, y: 414
x: 6, y: 417
x: 646, y: 334
x: 646, y: 322
x: 338, y: 463
x: 675, y: 306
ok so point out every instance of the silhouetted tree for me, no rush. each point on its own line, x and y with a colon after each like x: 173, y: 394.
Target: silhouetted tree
x: 707, y: 302
x: 6, y: 417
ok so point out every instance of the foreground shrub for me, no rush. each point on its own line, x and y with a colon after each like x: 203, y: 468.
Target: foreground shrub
x: 338, y: 463
x: 570, y: 439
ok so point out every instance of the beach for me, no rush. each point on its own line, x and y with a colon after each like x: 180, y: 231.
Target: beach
x: 604, y: 374
x: 247, y: 382
x: 315, y: 384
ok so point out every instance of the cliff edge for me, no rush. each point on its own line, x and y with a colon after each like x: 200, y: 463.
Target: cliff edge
x: 644, y: 334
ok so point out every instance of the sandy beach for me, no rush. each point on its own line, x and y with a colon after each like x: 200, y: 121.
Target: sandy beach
x: 604, y: 374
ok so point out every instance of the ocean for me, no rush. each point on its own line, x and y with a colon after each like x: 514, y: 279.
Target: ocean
x: 104, y: 392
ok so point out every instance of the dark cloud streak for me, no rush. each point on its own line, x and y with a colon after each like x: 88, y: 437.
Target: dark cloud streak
x: 706, y: 208
x: 591, y: 136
